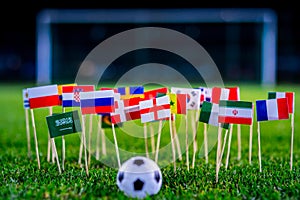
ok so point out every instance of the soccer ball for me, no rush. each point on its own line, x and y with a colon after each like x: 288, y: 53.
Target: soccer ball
x: 138, y: 177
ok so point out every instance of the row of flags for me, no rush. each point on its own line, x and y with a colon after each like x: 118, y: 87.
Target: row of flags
x: 216, y: 106
x: 93, y: 101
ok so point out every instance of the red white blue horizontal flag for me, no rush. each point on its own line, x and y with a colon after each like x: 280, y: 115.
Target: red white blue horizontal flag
x: 96, y: 102
x: 70, y: 94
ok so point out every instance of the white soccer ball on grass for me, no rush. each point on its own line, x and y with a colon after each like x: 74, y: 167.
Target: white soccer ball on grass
x: 139, y: 177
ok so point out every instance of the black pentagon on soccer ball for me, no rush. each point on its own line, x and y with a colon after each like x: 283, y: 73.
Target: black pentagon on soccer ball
x: 138, y: 185
x: 157, y: 176
x: 138, y: 162
x: 121, y: 176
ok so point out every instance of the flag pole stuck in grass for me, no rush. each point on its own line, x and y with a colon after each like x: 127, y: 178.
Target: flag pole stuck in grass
x: 42, y: 97
x: 177, y: 106
x: 152, y: 138
x: 63, y: 141
x: 259, y: 147
x: 49, y: 139
x: 63, y: 149
x: 271, y: 109
x: 146, y: 140
x: 71, y: 98
x: 218, y: 152
x: 236, y: 112
x: 116, y: 144
x: 35, y: 139
x: 193, y: 103
x: 26, y: 108
x: 292, y: 140
x: 209, y: 115
x: 99, y: 130
x: 83, y: 141
x: 158, y: 140
x: 90, y: 139
x: 172, y: 144
x: 156, y: 109
x: 61, y: 125
x: 223, y: 148
x: 290, y: 96
x: 176, y: 137
x: 229, y: 144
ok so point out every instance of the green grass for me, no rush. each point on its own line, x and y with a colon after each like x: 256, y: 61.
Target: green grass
x: 20, y: 177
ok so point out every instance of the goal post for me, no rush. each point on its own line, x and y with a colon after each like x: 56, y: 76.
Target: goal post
x: 265, y: 17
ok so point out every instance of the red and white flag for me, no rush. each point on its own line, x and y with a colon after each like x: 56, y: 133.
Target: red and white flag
x: 155, y: 109
x: 219, y: 94
x: 126, y: 110
x: 43, y: 96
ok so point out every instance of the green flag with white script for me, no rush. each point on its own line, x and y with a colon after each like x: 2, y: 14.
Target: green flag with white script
x: 63, y: 124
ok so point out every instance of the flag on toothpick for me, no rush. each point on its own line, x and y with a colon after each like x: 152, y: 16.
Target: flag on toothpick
x: 235, y: 112
x: 63, y: 124
x: 155, y: 109
x: 209, y: 114
x: 25, y: 99
x: 43, y: 96
x: 131, y: 92
x: 219, y: 94
x: 193, y: 97
x: 97, y: 102
x: 272, y: 109
x: 70, y: 94
x: 290, y: 98
x: 178, y: 103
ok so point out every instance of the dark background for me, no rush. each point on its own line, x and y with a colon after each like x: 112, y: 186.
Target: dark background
x: 18, y: 33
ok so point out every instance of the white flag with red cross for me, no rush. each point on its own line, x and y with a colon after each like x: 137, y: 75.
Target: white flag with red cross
x: 155, y: 109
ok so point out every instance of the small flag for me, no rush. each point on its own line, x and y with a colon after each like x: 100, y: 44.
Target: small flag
x: 272, y: 109
x: 151, y: 94
x: 125, y: 110
x: 209, y: 114
x: 131, y: 92
x: 234, y: 93
x: 193, y: 97
x: 205, y: 95
x: 25, y: 99
x: 155, y: 109
x: 219, y: 94
x: 43, y: 96
x: 235, y: 112
x: 70, y: 94
x: 63, y: 124
x: 290, y: 98
x: 178, y: 103
x: 97, y: 102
